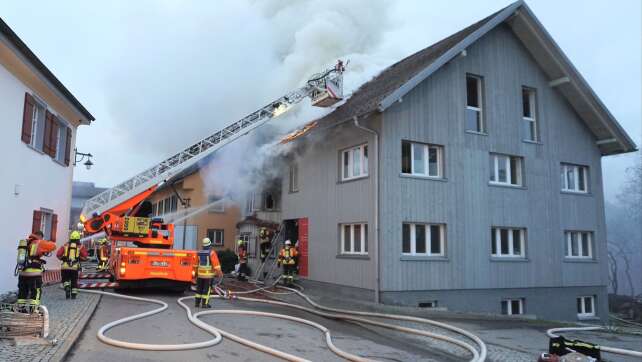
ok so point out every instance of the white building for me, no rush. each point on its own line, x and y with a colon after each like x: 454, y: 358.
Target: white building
x: 39, y: 118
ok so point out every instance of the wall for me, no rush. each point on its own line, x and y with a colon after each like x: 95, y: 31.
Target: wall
x: 327, y: 202
x: 42, y: 182
x: 192, y: 187
x: 434, y: 113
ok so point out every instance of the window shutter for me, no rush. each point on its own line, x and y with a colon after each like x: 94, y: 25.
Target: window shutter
x: 27, y: 118
x: 53, y: 145
x: 54, y: 227
x: 46, y: 147
x: 37, y: 219
x: 67, y: 146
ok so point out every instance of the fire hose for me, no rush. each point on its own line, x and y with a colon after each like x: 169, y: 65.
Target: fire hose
x: 219, y: 334
x: 625, y: 352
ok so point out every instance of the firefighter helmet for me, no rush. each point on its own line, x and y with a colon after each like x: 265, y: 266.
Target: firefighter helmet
x: 74, y: 235
x: 207, y: 242
x: 288, y: 242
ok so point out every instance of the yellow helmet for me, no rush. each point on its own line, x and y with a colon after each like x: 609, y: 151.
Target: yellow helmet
x: 102, y: 241
x: 74, y: 235
x: 207, y: 242
x: 240, y: 242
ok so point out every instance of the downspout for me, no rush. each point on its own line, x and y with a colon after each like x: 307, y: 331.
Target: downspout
x: 376, y: 204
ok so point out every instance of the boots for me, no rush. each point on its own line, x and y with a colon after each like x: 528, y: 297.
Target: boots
x: 197, y: 302
x: 68, y: 292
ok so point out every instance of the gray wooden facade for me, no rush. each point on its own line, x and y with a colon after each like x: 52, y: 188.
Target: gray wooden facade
x: 467, y: 278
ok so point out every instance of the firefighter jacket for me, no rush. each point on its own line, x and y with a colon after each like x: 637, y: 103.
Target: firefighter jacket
x: 37, y: 248
x: 71, y: 255
x: 242, y: 254
x: 287, y: 256
x: 208, y: 264
x: 103, y: 253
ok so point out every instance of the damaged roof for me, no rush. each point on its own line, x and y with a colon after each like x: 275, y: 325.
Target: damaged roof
x: 400, y: 78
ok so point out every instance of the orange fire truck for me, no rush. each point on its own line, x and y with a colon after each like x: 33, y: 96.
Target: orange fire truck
x: 141, y: 246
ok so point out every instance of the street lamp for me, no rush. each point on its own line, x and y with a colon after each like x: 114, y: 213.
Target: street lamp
x: 87, y: 163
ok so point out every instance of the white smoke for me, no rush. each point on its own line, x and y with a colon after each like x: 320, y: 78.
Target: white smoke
x: 309, y: 36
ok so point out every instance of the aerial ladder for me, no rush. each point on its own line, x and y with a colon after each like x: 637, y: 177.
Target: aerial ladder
x: 141, y: 246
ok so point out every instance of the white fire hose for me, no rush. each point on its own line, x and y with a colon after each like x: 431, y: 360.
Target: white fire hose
x: 219, y: 334
x: 625, y: 352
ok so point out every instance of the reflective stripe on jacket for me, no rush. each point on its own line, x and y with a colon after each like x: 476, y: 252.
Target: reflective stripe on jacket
x: 208, y: 264
x: 287, y: 256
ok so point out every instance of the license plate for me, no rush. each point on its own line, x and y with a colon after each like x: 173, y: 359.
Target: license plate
x: 160, y: 263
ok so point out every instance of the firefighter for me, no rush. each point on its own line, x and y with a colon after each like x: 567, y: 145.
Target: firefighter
x: 242, y: 255
x: 287, y: 258
x: 264, y: 243
x: 208, y: 266
x: 71, y: 254
x: 30, y: 274
x: 103, y: 254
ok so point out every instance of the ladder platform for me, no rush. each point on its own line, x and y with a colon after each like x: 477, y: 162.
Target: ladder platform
x: 98, y: 285
x: 94, y: 276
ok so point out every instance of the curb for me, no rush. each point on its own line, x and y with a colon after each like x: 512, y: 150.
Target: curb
x: 70, y: 341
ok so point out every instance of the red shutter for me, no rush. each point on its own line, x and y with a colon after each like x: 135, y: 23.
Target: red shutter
x: 54, y: 227
x: 53, y: 145
x: 37, y: 219
x: 46, y: 147
x: 27, y: 118
x: 68, y: 146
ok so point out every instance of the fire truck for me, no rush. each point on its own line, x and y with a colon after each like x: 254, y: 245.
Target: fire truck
x: 142, y: 253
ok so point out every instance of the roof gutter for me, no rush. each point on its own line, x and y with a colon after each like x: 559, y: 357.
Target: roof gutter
x: 376, y: 205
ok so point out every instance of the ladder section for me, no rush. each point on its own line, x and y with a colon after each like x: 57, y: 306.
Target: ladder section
x: 270, y: 259
x: 203, y: 148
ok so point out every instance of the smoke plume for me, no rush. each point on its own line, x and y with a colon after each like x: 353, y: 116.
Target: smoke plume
x: 308, y: 37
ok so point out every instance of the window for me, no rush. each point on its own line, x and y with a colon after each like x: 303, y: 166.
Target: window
x: 38, y: 127
x: 423, y: 239
x: 354, y: 162
x: 529, y: 112
x: 512, y: 306
x: 47, y: 222
x: 269, y: 202
x: 216, y: 236
x: 294, y: 177
x: 249, y: 203
x: 574, y: 178
x: 474, y: 101
x: 161, y: 207
x: 154, y: 209
x: 217, y: 204
x: 586, y: 306
x: 60, y: 141
x: 421, y: 159
x: 354, y: 239
x: 507, y: 242
x: 579, y: 244
x: 167, y: 206
x: 173, y: 206
x: 505, y: 170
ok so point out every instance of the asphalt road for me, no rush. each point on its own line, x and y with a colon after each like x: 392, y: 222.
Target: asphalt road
x: 172, y: 326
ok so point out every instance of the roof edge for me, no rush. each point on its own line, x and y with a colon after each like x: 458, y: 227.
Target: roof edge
x: 583, y: 87
x: 448, y: 56
x: 30, y: 57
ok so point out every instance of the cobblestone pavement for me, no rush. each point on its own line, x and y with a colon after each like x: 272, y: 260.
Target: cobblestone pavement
x: 67, y: 318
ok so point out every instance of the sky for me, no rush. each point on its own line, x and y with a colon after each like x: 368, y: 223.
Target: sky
x: 160, y: 75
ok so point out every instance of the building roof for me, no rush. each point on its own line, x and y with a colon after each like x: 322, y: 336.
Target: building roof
x: 394, y: 82
x: 24, y: 50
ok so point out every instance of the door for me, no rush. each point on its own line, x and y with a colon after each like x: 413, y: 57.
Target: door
x: 303, y: 247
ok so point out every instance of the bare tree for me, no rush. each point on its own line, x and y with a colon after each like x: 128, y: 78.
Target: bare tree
x: 613, y: 279
x: 620, y: 251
